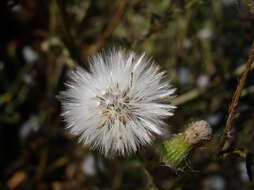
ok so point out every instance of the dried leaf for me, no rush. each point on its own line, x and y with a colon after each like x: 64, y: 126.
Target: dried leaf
x: 17, y: 179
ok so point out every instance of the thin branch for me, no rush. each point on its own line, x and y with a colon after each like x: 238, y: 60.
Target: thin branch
x: 68, y: 39
x: 235, y: 99
x: 197, y: 92
x: 108, y: 31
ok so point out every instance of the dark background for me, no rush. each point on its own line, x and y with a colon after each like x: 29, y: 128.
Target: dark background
x: 203, y: 46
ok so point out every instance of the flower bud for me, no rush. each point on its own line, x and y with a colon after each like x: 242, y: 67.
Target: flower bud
x: 179, y: 148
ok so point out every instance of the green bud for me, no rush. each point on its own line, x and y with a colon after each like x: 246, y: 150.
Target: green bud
x: 178, y: 148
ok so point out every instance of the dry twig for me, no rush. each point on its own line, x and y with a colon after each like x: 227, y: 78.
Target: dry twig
x: 235, y: 99
x: 108, y: 31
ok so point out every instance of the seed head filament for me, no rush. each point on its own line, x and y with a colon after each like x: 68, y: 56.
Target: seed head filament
x: 114, y: 106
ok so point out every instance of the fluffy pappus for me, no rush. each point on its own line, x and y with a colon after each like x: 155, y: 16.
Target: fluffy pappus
x: 120, y: 104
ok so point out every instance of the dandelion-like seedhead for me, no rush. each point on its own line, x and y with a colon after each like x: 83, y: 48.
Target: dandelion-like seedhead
x: 120, y: 104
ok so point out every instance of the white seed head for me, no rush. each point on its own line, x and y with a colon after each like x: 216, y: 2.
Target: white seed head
x: 119, y: 105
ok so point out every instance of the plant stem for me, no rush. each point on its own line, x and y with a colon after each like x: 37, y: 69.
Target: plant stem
x: 234, y: 102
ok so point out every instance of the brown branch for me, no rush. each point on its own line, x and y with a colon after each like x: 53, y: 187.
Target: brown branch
x: 235, y: 99
x: 108, y: 31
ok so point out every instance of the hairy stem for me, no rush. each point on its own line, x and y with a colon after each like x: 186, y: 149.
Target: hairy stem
x: 234, y: 102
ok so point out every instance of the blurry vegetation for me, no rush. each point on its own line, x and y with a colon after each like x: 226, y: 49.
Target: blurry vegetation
x: 203, y: 45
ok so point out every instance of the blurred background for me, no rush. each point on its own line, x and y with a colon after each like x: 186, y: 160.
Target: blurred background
x: 203, y: 46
